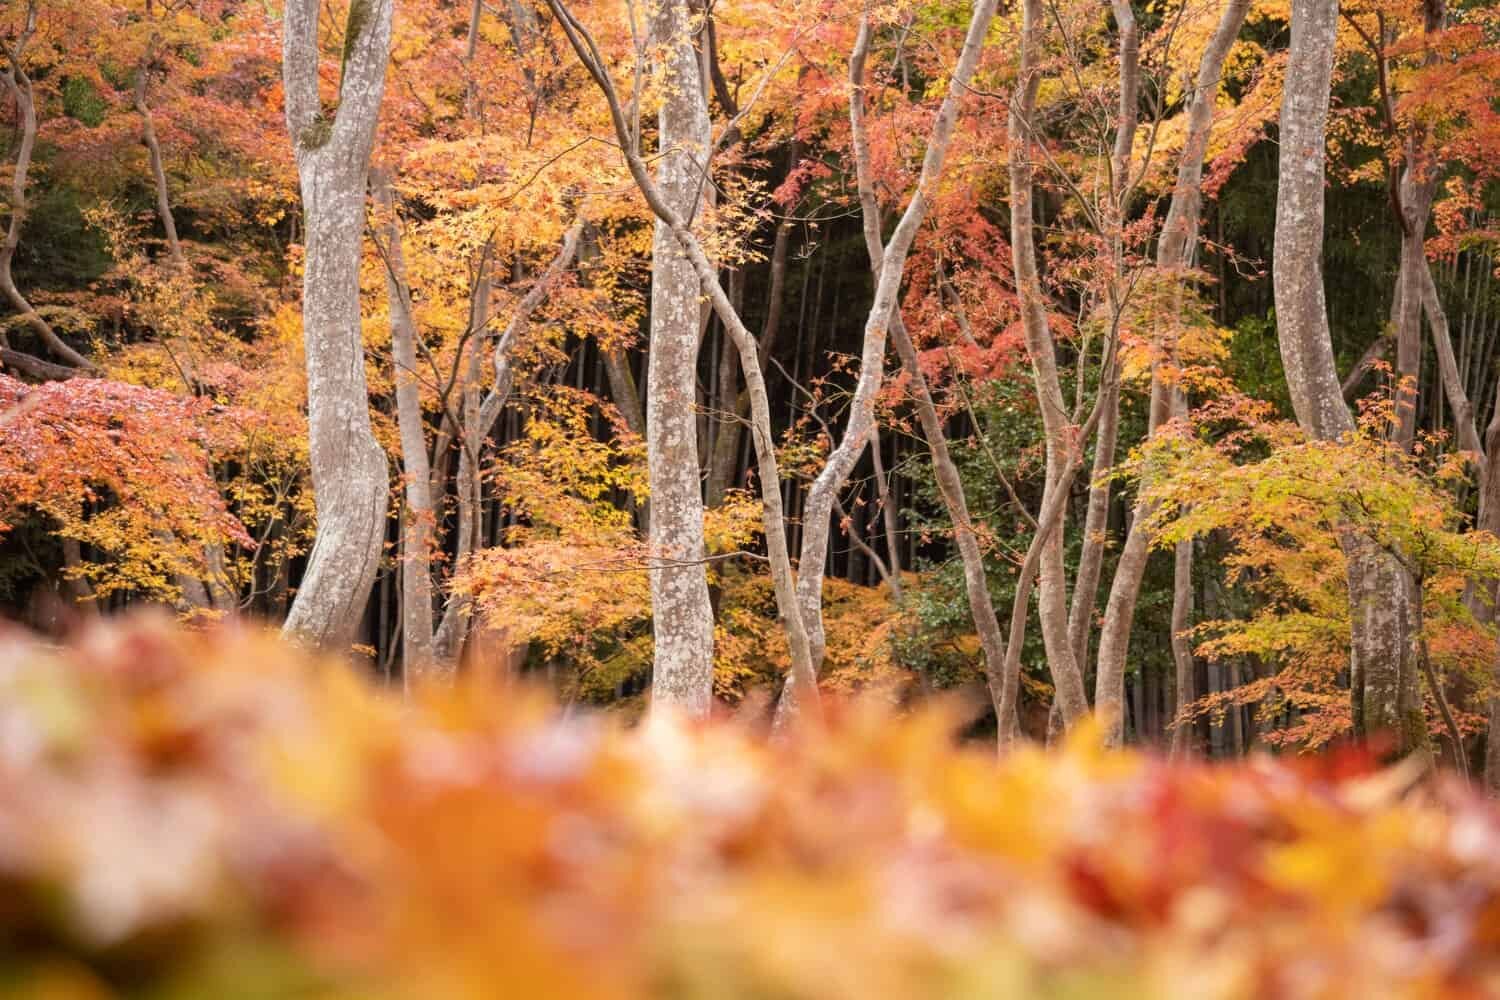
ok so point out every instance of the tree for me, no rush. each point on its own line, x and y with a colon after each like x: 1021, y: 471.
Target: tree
x: 21, y: 90
x: 349, y: 470
x: 682, y: 619
x: 1382, y: 668
x: 1176, y: 246
x: 121, y: 475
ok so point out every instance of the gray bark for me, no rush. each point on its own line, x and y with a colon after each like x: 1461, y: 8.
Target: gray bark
x: 1382, y: 661
x: 453, y: 628
x: 1416, y: 205
x: 721, y: 470
x: 889, y: 267
x: 888, y: 516
x: 950, y: 487
x: 782, y: 576
x: 1184, y: 733
x: 417, y: 521
x: 1091, y: 556
x: 478, y: 417
x: 1067, y: 674
x: 1175, y: 246
x: 153, y: 154
x: 682, y: 617
x: 349, y: 471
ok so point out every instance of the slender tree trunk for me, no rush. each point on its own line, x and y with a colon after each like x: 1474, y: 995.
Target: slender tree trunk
x: 18, y: 83
x: 1489, y: 520
x: 1448, y: 370
x: 951, y: 488
x: 1091, y: 556
x: 1184, y: 735
x: 721, y: 470
x: 212, y: 591
x: 349, y: 472
x: 481, y: 413
x: 417, y: 520
x: 682, y: 618
x: 1095, y: 525
x: 889, y: 267
x: 1382, y: 667
x: 888, y: 515
x: 783, y: 578
x: 617, y: 371
x: 153, y: 152
x: 1416, y: 206
x: 1066, y: 672
x: 1179, y: 238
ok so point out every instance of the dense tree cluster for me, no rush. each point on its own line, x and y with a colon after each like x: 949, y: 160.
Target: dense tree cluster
x: 1116, y: 359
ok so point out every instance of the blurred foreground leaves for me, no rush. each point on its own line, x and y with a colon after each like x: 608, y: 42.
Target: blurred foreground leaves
x: 215, y: 815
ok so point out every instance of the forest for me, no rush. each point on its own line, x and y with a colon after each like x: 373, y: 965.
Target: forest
x: 750, y: 498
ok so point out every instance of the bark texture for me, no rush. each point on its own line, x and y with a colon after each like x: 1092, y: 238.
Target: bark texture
x: 782, y: 577
x: 681, y: 615
x: 153, y: 154
x: 1382, y: 661
x: 349, y: 471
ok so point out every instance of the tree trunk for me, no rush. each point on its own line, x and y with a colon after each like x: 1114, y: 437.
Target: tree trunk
x: 889, y: 267
x: 1066, y: 672
x: 951, y: 488
x: 721, y: 468
x: 783, y: 578
x: 887, y: 515
x: 453, y: 627
x: 349, y: 472
x: 1382, y: 668
x: 1184, y: 733
x: 1416, y: 206
x: 682, y: 619
x: 1091, y: 555
x: 1179, y: 238
x: 153, y: 151
x: 1095, y: 525
x: 417, y: 521
x: 18, y: 83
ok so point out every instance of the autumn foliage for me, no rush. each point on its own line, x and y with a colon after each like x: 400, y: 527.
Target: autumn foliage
x: 211, y: 814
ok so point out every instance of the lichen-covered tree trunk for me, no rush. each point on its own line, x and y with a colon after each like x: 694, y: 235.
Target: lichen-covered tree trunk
x: 1382, y: 660
x: 783, y: 578
x: 682, y: 618
x: 349, y: 471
